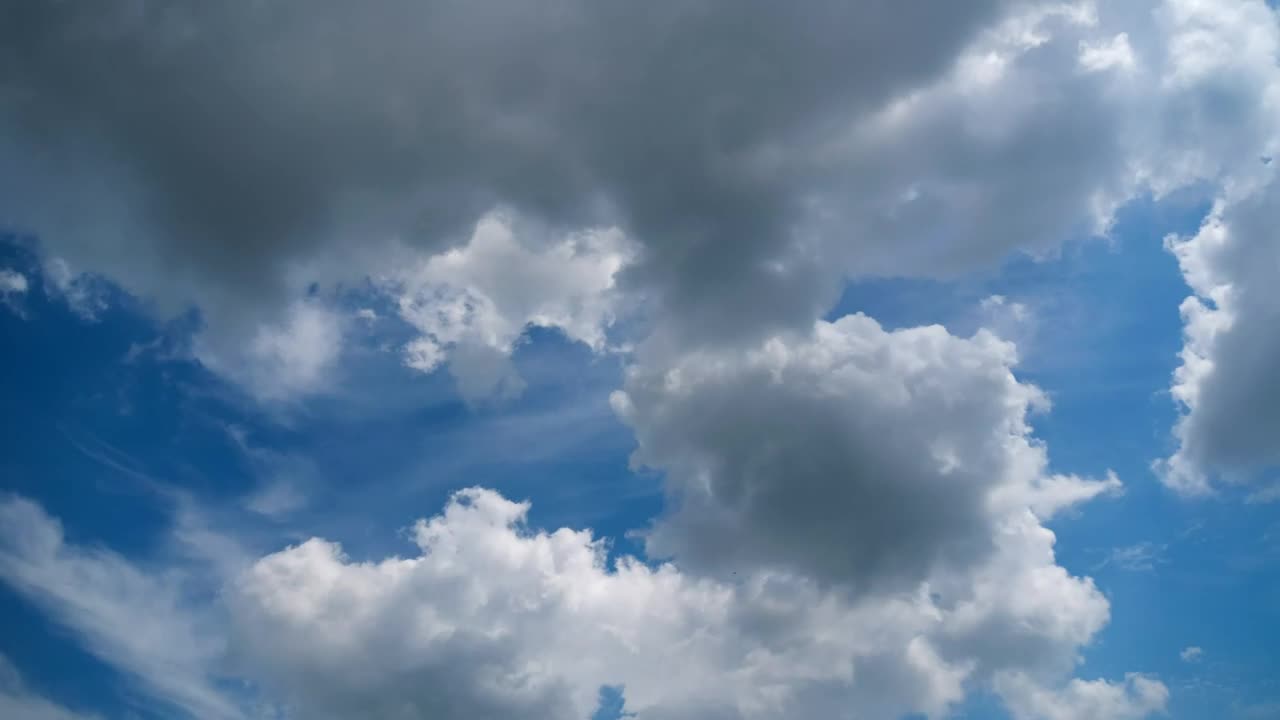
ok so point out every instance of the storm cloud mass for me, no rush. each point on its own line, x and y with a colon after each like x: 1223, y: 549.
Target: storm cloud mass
x: 242, y: 141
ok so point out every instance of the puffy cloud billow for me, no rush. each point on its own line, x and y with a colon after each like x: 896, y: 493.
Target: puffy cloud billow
x: 858, y: 456
x: 489, y: 618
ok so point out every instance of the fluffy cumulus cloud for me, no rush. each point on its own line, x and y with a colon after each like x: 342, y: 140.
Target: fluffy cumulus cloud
x: 1226, y: 383
x: 1135, y: 698
x: 489, y: 618
x: 472, y: 303
x: 905, y: 450
x: 548, y: 622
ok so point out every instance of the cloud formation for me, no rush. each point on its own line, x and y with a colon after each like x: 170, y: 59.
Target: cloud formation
x: 855, y: 516
x: 1135, y: 698
x: 471, y: 304
x: 138, y: 621
x: 548, y: 622
x: 754, y: 155
x: 1226, y: 384
x: 272, y: 148
x: 490, y: 617
x: 862, y: 457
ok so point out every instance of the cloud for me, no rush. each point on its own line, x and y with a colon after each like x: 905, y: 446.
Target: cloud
x: 748, y: 195
x: 1224, y: 385
x: 17, y: 701
x: 489, y: 617
x: 855, y: 515
x: 12, y: 282
x: 85, y: 295
x: 137, y: 621
x: 13, y: 285
x: 300, y: 154
x: 1191, y: 654
x: 753, y: 156
x: 864, y: 457
x: 907, y: 148
x: 1139, y: 557
x: 1137, y: 697
x: 548, y: 622
x: 471, y: 305
x: 284, y: 482
x: 280, y: 362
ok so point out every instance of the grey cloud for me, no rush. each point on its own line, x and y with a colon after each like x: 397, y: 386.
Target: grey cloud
x: 209, y: 152
x: 863, y: 457
x: 1227, y: 382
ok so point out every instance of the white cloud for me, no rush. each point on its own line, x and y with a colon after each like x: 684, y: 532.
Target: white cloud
x: 12, y: 281
x: 1137, y: 697
x: 1228, y: 78
x: 1225, y: 384
x: 1191, y: 654
x: 282, y: 361
x: 84, y: 294
x: 1011, y: 320
x: 546, y: 623
x: 139, y: 622
x: 1113, y: 54
x: 17, y: 701
x: 13, y: 285
x: 1139, y: 557
x: 472, y: 304
x: 489, y: 618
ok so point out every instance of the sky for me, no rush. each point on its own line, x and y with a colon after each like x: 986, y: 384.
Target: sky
x: 722, y: 360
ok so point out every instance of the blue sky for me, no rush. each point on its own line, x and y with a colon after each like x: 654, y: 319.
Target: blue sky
x: 794, y: 404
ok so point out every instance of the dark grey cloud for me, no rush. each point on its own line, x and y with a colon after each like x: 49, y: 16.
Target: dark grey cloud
x: 862, y: 458
x: 205, y: 152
